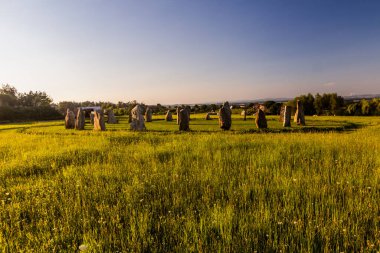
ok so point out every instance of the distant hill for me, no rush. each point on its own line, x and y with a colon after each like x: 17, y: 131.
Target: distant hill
x: 359, y: 97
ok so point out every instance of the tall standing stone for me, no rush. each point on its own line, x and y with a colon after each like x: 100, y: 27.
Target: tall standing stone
x: 282, y: 114
x: 168, y: 116
x: 261, y: 121
x: 111, y: 117
x: 99, y: 122
x: 178, y: 115
x: 130, y: 117
x: 299, y: 117
x: 138, y: 122
x: 70, y: 119
x: 244, y: 114
x: 188, y: 109
x: 81, y: 120
x: 184, y: 120
x: 148, y: 115
x: 225, y: 116
x: 92, y: 115
x: 208, y: 117
x: 287, y: 114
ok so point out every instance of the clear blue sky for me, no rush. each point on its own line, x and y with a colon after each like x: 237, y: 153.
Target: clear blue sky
x: 189, y: 51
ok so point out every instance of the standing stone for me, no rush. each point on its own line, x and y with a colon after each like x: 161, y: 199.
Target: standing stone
x: 138, y: 122
x: 299, y: 117
x: 81, y: 120
x: 99, y: 122
x: 225, y: 116
x: 70, y: 119
x: 148, y: 115
x: 111, y: 117
x: 287, y: 114
x: 178, y: 115
x: 188, y: 111
x: 169, y: 116
x: 244, y: 114
x: 184, y: 120
x: 130, y: 117
x: 92, y: 117
x: 261, y: 121
x: 208, y: 117
x: 282, y: 114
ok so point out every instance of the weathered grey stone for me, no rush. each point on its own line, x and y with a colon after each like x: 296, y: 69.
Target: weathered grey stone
x: 225, y: 116
x: 287, y: 114
x: 282, y: 114
x: 208, y: 117
x: 81, y: 120
x: 188, y: 109
x: 168, y: 116
x: 244, y: 114
x: 138, y: 122
x: 99, y: 122
x: 184, y: 120
x: 130, y: 117
x: 261, y: 121
x: 178, y: 114
x: 299, y: 117
x: 148, y: 115
x: 111, y: 117
x: 70, y: 119
x: 92, y: 118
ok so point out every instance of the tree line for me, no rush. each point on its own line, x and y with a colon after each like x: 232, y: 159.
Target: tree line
x: 37, y: 105
x: 325, y: 104
x: 332, y: 104
x: 32, y: 105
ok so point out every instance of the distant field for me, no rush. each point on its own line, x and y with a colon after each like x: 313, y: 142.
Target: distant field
x: 310, y: 189
x: 198, y: 124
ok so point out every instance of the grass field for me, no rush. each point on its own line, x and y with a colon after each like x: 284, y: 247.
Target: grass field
x: 309, y: 189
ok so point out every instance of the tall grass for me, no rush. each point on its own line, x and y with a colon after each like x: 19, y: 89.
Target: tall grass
x: 203, y: 191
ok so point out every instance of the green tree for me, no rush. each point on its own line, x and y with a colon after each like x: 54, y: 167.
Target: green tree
x: 272, y: 107
x: 8, y: 95
x: 318, y: 105
x: 64, y: 105
x: 214, y: 107
x: 333, y: 104
x: 375, y: 106
x: 6, y: 89
x: 268, y: 104
x: 307, y: 103
x: 364, y: 106
x: 353, y: 109
x: 326, y: 103
x: 336, y: 103
x: 34, y: 99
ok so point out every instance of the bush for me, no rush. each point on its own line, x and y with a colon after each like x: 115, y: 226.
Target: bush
x: 29, y: 113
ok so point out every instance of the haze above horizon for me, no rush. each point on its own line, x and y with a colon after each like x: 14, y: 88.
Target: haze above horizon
x: 166, y: 51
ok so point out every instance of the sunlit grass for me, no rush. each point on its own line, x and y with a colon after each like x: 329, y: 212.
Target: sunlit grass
x: 207, y: 190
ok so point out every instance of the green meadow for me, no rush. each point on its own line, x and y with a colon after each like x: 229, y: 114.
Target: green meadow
x: 302, y: 189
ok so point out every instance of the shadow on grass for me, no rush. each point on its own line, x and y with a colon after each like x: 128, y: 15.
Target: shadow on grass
x: 348, y: 126
x: 28, y: 125
x: 344, y: 127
